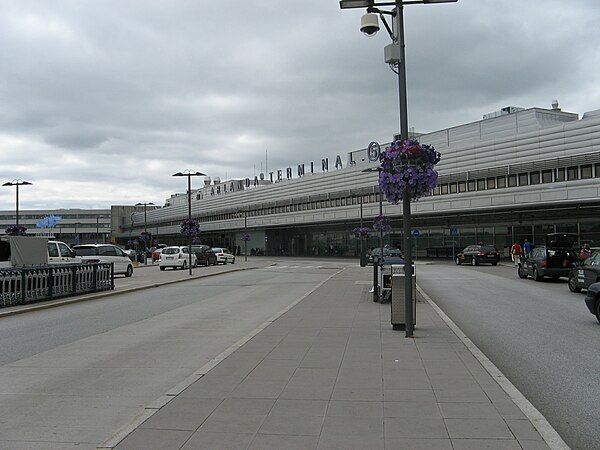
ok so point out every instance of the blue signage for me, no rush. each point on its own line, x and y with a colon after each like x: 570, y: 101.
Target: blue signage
x: 416, y: 233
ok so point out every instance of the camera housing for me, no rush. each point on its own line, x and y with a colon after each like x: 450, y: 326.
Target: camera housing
x: 369, y: 24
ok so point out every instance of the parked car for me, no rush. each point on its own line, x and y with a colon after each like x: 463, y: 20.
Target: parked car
x: 223, y: 255
x: 555, y: 259
x: 61, y: 253
x: 204, y: 255
x: 176, y: 257
x: 478, y: 254
x: 132, y: 255
x: 592, y: 299
x: 585, y: 274
x: 156, y: 254
x: 388, y: 252
x: 106, y: 253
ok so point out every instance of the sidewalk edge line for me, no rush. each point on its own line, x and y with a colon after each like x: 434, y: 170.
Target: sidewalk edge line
x: 127, y: 429
x: 548, y: 433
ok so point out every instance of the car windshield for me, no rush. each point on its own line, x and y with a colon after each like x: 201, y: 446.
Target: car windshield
x: 85, y: 251
x: 171, y: 251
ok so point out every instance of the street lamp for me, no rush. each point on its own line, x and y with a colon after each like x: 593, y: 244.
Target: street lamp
x: 394, y: 56
x: 189, y: 173
x: 375, y: 280
x: 145, y: 204
x: 17, y: 183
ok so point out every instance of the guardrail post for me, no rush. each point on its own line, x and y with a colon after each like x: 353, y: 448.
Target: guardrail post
x: 112, y: 275
x: 50, y: 281
x: 74, y: 281
x: 23, y: 287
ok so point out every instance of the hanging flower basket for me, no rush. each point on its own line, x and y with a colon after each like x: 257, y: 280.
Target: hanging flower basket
x: 16, y: 230
x: 406, y: 168
x: 245, y: 237
x: 382, y: 224
x: 189, y: 228
x: 361, y: 232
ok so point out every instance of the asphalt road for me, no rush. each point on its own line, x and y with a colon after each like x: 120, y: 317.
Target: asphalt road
x: 539, y: 334
x: 71, y: 376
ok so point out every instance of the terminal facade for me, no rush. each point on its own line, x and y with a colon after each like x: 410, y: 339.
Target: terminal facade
x: 517, y: 174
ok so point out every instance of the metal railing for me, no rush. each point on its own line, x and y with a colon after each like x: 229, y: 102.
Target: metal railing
x: 21, y: 286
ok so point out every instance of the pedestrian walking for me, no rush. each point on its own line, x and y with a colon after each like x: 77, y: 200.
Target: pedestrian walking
x: 515, y: 252
x: 527, y: 247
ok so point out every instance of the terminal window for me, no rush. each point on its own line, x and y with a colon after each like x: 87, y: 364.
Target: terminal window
x: 512, y: 180
x: 501, y: 182
x: 546, y: 176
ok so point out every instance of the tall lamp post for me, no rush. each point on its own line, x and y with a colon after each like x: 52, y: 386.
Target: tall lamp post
x: 189, y: 173
x: 394, y: 56
x: 145, y: 204
x: 375, y: 263
x: 16, y: 184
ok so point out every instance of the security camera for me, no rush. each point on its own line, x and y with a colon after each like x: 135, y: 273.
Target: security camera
x: 369, y: 24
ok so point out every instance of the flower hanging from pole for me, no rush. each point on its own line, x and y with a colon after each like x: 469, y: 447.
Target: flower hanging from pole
x: 361, y: 232
x: 16, y: 230
x: 189, y: 228
x: 407, y: 167
x: 245, y: 237
x: 382, y: 224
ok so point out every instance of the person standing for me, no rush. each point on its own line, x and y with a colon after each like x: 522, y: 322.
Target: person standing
x: 527, y: 247
x: 585, y: 252
x: 515, y: 252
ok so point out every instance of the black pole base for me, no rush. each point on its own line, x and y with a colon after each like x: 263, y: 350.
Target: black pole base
x: 399, y: 326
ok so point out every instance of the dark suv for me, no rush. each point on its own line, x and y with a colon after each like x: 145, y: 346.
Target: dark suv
x: 478, y: 254
x: 555, y: 259
x: 204, y: 255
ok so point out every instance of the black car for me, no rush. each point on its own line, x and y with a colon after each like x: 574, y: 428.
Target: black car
x: 585, y: 274
x: 555, y: 259
x: 388, y: 252
x: 478, y: 254
x: 592, y: 299
x: 205, y: 256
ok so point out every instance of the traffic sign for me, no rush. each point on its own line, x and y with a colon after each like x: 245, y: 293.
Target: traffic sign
x: 416, y: 233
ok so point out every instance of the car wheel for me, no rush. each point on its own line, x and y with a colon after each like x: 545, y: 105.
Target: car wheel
x: 494, y: 264
x: 457, y: 261
x: 597, y: 309
x: 536, y: 276
x: 572, y: 285
x: 162, y: 267
x: 474, y: 261
x: 129, y: 271
x: 521, y: 272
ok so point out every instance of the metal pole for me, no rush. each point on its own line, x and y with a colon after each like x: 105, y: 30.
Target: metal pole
x: 245, y: 235
x: 189, y: 177
x: 362, y: 239
x: 17, y: 203
x: 408, y: 294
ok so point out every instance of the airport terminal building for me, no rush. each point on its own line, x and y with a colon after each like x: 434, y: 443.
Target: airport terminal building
x: 517, y: 174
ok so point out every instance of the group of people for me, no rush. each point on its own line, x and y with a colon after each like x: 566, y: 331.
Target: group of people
x: 517, y: 252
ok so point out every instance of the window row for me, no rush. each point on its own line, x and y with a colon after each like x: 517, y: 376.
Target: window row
x: 521, y: 179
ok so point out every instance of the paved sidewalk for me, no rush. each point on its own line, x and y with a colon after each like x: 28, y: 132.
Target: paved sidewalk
x: 330, y: 373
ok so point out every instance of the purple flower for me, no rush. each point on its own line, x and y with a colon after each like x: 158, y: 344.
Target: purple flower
x: 189, y: 228
x: 406, y: 167
x: 16, y: 230
x: 382, y: 224
x: 361, y: 232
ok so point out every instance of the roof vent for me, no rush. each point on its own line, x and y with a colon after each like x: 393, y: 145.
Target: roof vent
x: 555, y: 105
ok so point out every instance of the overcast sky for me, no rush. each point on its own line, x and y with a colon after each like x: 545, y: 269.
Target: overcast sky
x: 101, y: 101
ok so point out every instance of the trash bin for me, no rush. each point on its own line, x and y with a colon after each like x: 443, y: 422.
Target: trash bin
x: 398, y: 297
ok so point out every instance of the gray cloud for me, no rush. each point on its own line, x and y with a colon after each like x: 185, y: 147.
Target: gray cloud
x: 100, y: 102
